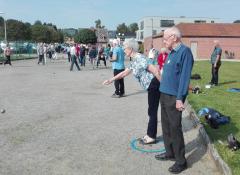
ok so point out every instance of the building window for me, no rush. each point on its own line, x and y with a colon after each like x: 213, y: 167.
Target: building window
x: 142, y: 25
x: 167, y: 23
x: 141, y: 36
x: 154, y: 32
x: 199, y: 21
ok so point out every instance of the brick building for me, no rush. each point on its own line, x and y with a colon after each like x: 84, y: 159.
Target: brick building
x: 200, y: 37
x: 152, y: 25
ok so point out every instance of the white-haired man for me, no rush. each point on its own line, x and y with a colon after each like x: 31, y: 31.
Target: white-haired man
x: 216, y: 62
x: 174, y: 89
x: 118, y: 66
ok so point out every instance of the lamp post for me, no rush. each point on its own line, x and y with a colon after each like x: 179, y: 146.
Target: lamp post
x: 152, y: 34
x: 5, y: 29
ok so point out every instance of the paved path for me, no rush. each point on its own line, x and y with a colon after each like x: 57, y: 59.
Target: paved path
x: 62, y: 122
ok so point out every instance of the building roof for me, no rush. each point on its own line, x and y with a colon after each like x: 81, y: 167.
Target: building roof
x: 208, y: 30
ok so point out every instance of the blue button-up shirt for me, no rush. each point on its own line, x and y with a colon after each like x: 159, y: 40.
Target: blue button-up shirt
x: 177, y: 72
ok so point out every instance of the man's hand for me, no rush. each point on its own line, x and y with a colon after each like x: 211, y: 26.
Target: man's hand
x: 114, y: 58
x: 111, y: 60
x: 179, y: 105
x: 215, y: 65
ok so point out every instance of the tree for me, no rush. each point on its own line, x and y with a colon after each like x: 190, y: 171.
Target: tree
x: 46, y: 34
x: 1, y: 21
x: 27, y: 24
x: 237, y: 21
x: 60, y: 36
x: 1, y: 27
x: 28, y: 35
x: 38, y: 22
x: 133, y: 27
x: 56, y: 35
x: 141, y: 48
x: 98, y: 24
x: 55, y: 27
x: 17, y: 30
x: 86, y: 36
x: 39, y: 33
x: 122, y: 28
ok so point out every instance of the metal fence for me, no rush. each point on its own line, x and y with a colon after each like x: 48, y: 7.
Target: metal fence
x: 19, y: 50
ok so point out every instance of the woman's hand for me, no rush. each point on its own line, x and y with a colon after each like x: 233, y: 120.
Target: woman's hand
x: 117, y: 77
x: 107, y: 82
x: 155, y: 71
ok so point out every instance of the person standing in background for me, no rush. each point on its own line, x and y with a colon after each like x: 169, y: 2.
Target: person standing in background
x: 7, y: 53
x: 162, y: 58
x: 40, y: 51
x: 93, y: 55
x: 216, y: 62
x: 73, y: 52
x: 68, y: 53
x: 118, y: 66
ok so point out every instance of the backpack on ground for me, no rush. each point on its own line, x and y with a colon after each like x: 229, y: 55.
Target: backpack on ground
x: 233, y: 143
x: 196, y: 90
x: 196, y: 77
x: 213, y: 117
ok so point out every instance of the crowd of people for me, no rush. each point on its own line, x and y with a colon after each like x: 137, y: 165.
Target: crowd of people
x: 77, y: 53
x: 48, y: 51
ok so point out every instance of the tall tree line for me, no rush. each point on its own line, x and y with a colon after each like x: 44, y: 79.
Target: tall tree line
x: 38, y: 32
x: 123, y: 28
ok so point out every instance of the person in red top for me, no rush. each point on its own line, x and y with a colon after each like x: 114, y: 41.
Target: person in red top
x: 77, y: 49
x: 162, y: 58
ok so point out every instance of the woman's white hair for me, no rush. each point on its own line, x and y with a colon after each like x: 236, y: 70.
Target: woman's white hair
x: 174, y: 31
x: 131, y: 43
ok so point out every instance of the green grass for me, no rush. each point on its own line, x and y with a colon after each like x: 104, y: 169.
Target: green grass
x: 228, y: 103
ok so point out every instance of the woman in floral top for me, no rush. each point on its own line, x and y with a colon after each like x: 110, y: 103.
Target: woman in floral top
x: 148, y: 76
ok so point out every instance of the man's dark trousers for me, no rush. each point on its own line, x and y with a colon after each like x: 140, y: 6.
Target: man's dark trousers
x: 8, y: 61
x: 215, y: 74
x: 74, y: 61
x: 171, y: 120
x: 119, y: 84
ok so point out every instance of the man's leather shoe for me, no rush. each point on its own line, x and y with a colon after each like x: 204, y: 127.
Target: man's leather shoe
x: 164, y: 157
x: 176, y: 168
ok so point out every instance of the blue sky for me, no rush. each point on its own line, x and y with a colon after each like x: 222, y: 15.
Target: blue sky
x: 83, y: 13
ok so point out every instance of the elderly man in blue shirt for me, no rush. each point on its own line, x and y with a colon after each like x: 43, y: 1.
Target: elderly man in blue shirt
x: 174, y: 90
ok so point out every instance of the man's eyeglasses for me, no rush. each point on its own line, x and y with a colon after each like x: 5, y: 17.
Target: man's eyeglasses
x: 165, y: 39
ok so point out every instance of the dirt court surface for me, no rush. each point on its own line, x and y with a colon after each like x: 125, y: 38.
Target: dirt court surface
x: 61, y: 122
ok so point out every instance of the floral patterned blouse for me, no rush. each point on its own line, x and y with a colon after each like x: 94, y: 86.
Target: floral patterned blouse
x: 139, y: 67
